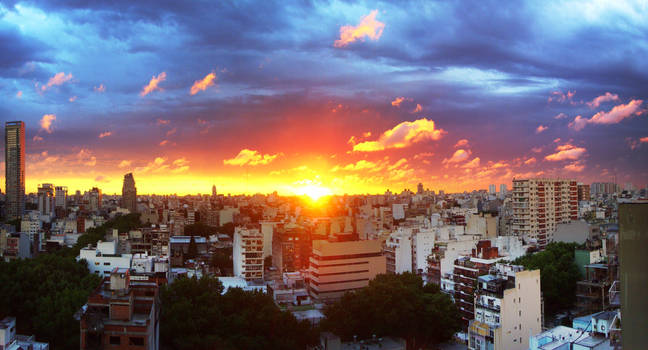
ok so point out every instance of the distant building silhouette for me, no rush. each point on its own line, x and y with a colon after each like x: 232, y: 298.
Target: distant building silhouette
x: 129, y: 193
x: 15, y: 168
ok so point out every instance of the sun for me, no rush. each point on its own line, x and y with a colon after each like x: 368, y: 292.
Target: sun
x: 314, y: 192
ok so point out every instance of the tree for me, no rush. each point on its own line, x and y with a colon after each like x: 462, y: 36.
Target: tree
x: 227, y: 229
x: 196, y: 315
x: 43, y: 294
x: 200, y: 229
x: 222, y: 259
x: 558, y: 274
x: 395, y: 305
x: 192, y: 250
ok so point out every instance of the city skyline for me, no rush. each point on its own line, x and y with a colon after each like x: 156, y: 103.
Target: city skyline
x: 326, y: 98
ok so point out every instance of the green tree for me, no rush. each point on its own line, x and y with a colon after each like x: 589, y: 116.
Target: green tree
x: 227, y: 229
x: 395, y: 305
x: 200, y: 229
x: 205, y: 318
x: 192, y: 250
x: 558, y: 274
x: 222, y: 259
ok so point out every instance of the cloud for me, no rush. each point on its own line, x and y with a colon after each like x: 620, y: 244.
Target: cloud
x: 541, y: 128
x: 86, y: 158
x: 124, y: 164
x: 164, y: 142
x: 614, y: 116
x: 46, y: 122
x: 561, y: 116
x: 153, y: 84
x: 578, y: 123
x: 202, y: 85
x: 105, y: 134
x: 37, y: 138
x: 171, y: 132
x: 162, y: 122
x: 368, y: 27
x: 101, y: 178
x: 100, y: 88
x: 459, y: 156
x: 417, y: 109
x: 250, y: 157
x: 644, y: 139
x: 58, y: 79
x: 530, y: 161
x: 461, y: 143
x: 566, y: 152
x: 72, y: 99
x: 595, y: 103
x: 472, y: 164
x: 559, y: 96
x: 366, y: 134
x: 576, y: 167
x: 403, y: 135
x: 398, y: 100
x: 19, y: 94
x: 536, y: 149
x: 181, y: 165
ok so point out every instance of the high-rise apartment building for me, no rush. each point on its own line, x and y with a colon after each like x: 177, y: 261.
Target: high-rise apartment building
x: 503, y: 190
x: 539, y: 205
x: 94, y: 199
x: 247, y: 253
x: 129, y: 193
x: 15, y: 168
x: 338, y: 267
x: 492, y: 189
x: 60, y: 196
x: 46, y: 199
x: 601, y: 188
x: 583, y: 192
x: 508, y: 309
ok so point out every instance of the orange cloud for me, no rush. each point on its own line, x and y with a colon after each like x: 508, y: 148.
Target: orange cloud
x: 19, y: 94
x: 561, y: 116
x: 58, y: 79
x: 459, y: 156
x: 595, y: 103
x: 86, y: 158
x: 164, y: 142
x: 37, y: 138
x: 403, y: 135
x: 72, y: 99
x: 162, y: 122
x: 124, y: 164
x: 153, y: 84
x: 530, y: 161
x: 368, y: 27
x: 559, y: 96
x: 250, y: 157
x: 398, y: 100
x: 46, y: 122
x: 576, y: 167
x: 644, y: 139
x: 202, y: 85
x: 566, y: 152
x: 461, y: 143
x: 472, y: 164
x: 614, y: 116
x: 541, y: 128
x: 171, y: 132
x: 417, y: 109
x: 105, y: 134
x: 100, y: 88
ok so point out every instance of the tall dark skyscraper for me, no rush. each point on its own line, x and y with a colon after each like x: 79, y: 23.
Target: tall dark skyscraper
x: 129, y: 193
x: 15, y: 168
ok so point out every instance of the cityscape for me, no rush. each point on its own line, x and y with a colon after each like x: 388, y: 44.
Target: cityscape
x: 324, y: 176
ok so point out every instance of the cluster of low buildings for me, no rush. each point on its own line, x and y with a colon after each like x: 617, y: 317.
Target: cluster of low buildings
x: 307, y: 257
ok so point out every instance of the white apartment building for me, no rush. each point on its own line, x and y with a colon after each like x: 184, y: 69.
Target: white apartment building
x: 247, y: 253
x: 541, y: 204
x: 507, y: 309
x: 407, y: 249
x: 103, y: 258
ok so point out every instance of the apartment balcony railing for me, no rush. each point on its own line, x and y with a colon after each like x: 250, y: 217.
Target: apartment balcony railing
x: 615, y: 293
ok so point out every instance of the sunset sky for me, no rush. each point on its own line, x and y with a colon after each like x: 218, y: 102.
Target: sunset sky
x: 339, y: 97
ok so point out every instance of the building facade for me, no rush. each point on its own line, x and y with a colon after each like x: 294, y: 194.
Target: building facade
x: 247, y: 254
x: 15, y: 168
x: 338, y: 267
x: 46, y: 199
x: 129, y: 193
x: 539, y: 205
x: 508, y: 308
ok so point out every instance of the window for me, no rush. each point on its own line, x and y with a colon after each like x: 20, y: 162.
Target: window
x: 96, y: 263
x: 519, y: 299
x: 115, y: 340
x: 106, y: 264
x: 520, y: 313
x: 139, y: 341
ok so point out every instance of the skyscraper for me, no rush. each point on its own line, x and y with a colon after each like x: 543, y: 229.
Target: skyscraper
x: 129, y: 193
x: 46, y: 199
x: 214, y: 193
x: 15, y: 168
x: 61, y: 196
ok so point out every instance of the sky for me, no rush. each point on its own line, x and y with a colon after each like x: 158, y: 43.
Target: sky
x: 329, y: 97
